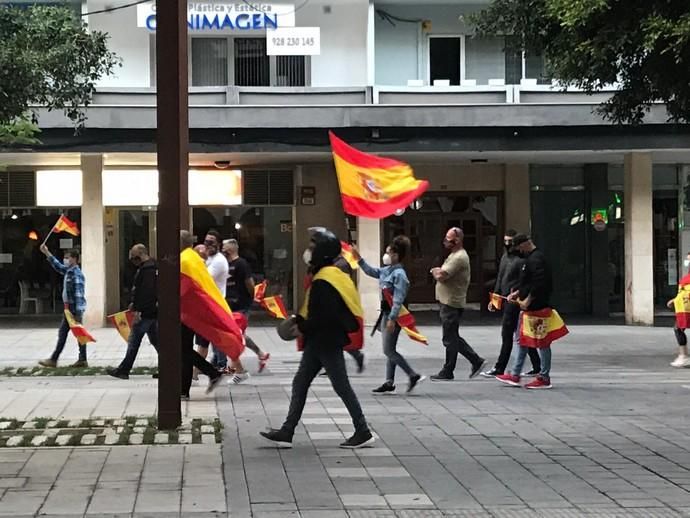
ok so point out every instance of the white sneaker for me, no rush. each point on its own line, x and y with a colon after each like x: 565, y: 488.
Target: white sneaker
x: 681, y: 362
x: 238, y: 378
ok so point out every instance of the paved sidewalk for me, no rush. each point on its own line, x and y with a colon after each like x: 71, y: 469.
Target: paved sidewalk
x: 610, y: 440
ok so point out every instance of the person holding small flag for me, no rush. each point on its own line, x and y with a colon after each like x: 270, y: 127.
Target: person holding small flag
x: 507, y: 281
x: 392, y: 280
x: 144, y: 305
x: 681, y: 306
x: 73, y: 289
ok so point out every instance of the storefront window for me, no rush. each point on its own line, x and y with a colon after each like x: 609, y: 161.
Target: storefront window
x: 28, y: 285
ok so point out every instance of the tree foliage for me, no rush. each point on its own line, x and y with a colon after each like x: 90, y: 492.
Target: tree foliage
x: 642, y: 45
x: 48, y: 58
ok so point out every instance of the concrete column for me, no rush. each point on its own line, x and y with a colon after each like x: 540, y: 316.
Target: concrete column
x: 369, y: 244
x: 371, y: 44
x: 639, y: 240
x: 517, y: 197
x: 596, y: 181
x: 153, y: 224
x: 112, y: 261
x: 93, y: 239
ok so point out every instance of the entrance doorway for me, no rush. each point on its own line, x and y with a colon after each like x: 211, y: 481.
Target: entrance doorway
x: 479, y: 215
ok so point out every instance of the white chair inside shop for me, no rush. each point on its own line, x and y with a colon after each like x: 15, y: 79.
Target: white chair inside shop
x: 441, y: 82
x: 26, y: 297
x: 415, y: 82
x: 497, y: 82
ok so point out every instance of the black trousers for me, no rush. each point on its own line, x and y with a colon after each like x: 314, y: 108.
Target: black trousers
x: 191, y: 358
x: 509, y: 324
x: 313, y: 358
x: 453, y: 342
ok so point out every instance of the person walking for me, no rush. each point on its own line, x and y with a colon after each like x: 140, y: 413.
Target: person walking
x: 328, y: 315
x: 392, y: 279
x: 532, y: 294
x: 681, y: 306
x: 507, y: 281
x: 144, y: 305
x: 240, y: 296
x: 452, y: 281
x: 73, y: 289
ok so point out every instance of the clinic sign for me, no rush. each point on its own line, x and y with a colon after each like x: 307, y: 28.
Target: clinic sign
x: 221, y: 16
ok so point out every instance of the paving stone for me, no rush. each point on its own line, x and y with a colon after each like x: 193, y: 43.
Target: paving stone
x: 15, y: 440
x: 7, y: 482
x: 207, y: 428
x: 88, y: 439
x: 119, y: 422
x: 409, y: 500
x: 74, y: 423
x: 184, y: 438
x: 207, y: 438
x: 142, y: 422
x: 29, y: 425
x: 98, y: 422
x: 52, y: 424
x: 39, y: 440
x: 139, y: 429
x: 136, y: 438
x: 62, y: 440
x: 369, y: 501
x: 112, y: 438
x: 4, y: 425
x: 161, y: 438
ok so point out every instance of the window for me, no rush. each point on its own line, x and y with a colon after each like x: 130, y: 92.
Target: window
x: 535, y: 68
x: 484, y: 59
x: 209, y: 62
x: 252, y: 65
x: 444, y: 59
x: 290, y: 71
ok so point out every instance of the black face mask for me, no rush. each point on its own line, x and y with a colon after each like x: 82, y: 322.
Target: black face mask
x: 508, y: 246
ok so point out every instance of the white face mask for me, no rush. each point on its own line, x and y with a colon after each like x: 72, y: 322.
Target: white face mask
x: 386, y: 259
x: 686, y: 263
x: 306, y: 257
x: 66, y: 262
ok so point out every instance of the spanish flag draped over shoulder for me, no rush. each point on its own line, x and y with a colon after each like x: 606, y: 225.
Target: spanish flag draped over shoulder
x: 538, y: 329
x: 78, y: 330
x: 373, y: 186
x: 64, y: 224
x: 203, y: 308
x: 347, y: 290
x: 123, y: 321
x: 681, y: 304
x: 406, y: 321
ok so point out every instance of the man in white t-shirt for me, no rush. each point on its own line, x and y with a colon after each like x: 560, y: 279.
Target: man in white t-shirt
x: 217, y: 266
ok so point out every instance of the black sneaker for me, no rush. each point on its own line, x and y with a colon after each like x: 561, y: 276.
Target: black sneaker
x: 414, y: 381
x: 491, y: 373
x: 442, y: 376
x: 115, y: 373
x: 386, y: 387
x: 279, y: 438
x: 358, y: 440
x: 360, y: 363
x: 477, y: 368
x: 530, y: 374
x: 213, y: 383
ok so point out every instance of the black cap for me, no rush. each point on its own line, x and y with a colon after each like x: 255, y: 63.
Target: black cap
x: 518, y: 239
x: 326, y: 249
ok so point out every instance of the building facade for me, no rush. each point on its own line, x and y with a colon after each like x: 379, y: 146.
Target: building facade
x: 501, y: 145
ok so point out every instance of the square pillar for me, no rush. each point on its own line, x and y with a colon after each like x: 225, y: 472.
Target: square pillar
x: 639, y: 240
x: 369, y: 244
x: 517, y: 197
x: 598, y: 285
x: 93, y: 239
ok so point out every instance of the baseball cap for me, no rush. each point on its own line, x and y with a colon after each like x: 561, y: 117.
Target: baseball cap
x: 518, y: 239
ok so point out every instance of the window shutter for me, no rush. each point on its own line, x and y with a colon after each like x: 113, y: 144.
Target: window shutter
x: 268, y: 188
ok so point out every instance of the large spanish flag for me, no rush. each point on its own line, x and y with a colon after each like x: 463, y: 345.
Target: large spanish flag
x: 681, y: 304
x: 203, y: 308
x: 373, y: 186
x: 348, y: 291
x: 540, y: 328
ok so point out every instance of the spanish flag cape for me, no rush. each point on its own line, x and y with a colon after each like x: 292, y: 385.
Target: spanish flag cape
x: 681, y: 304
x: 203, y: 308
x: 538, y: 329
x: 348, y: 291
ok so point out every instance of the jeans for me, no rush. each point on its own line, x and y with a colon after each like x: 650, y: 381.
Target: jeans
x: 390, y: 341
x: 453, y: 342
x: 63, y: 333
x: 509, y: 325
x: 192, y: 358
x: 145, y: 326
x: 544, y: 355
x: 314, y: 357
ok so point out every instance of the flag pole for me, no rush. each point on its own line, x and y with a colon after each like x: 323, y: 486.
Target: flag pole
x: 49, y: 234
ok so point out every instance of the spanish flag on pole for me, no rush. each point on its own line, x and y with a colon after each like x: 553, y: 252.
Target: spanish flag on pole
x: 260, y: 291
x: 496, y: 300
x: 538, y: 329
x: 373, y: 186
x: 78, y: 330
x: 203, y: 308
x: 681, y: 304
x: 347, y: 255
x: 275, y: 306
x: 64, y: 224
x: 123, y: 322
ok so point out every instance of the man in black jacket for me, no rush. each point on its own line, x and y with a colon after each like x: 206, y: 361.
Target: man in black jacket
x: 325, y: 330
x: 144, y: 305
x: 507, y: 281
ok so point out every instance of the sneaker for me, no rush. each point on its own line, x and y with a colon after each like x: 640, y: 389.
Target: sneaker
x: 213, y: 383
x: 386, y: 387
x: 540, y: 382
x: 227, y: 371
x: 681, y: 362
x: 50, y: 363
x: 360, y: 363
x: 279, y: 438
x: 358, y: 440
x: 442, y: 376
x: 477, y: 368
x: 115, y: 373
x: 414, y: 381
x: 80, y: 364
x: 263, y: 360
x: 491, y: 373
x: 530, y: 374
x: 509, y: 379
x: 238, y: 378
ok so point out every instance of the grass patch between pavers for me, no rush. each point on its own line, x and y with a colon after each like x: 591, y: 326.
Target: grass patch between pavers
x: 69, y: 371
x: 101, y: 428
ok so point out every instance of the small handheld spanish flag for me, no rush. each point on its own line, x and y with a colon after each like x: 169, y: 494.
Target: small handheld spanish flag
x: 64, y: 224
x: 496, y: 300
x: 372, y: 186
x: 406, y: 321
x: 347, y: 255
x: 275, y: 306
x: 123, y: 322
x: 260, y: 291
x: 541, y: 328
x: 78, y: 330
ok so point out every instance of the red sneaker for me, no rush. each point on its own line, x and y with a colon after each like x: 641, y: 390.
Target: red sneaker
x: 509, y: 379
x: 539, y: 383
x: 263, y: 360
